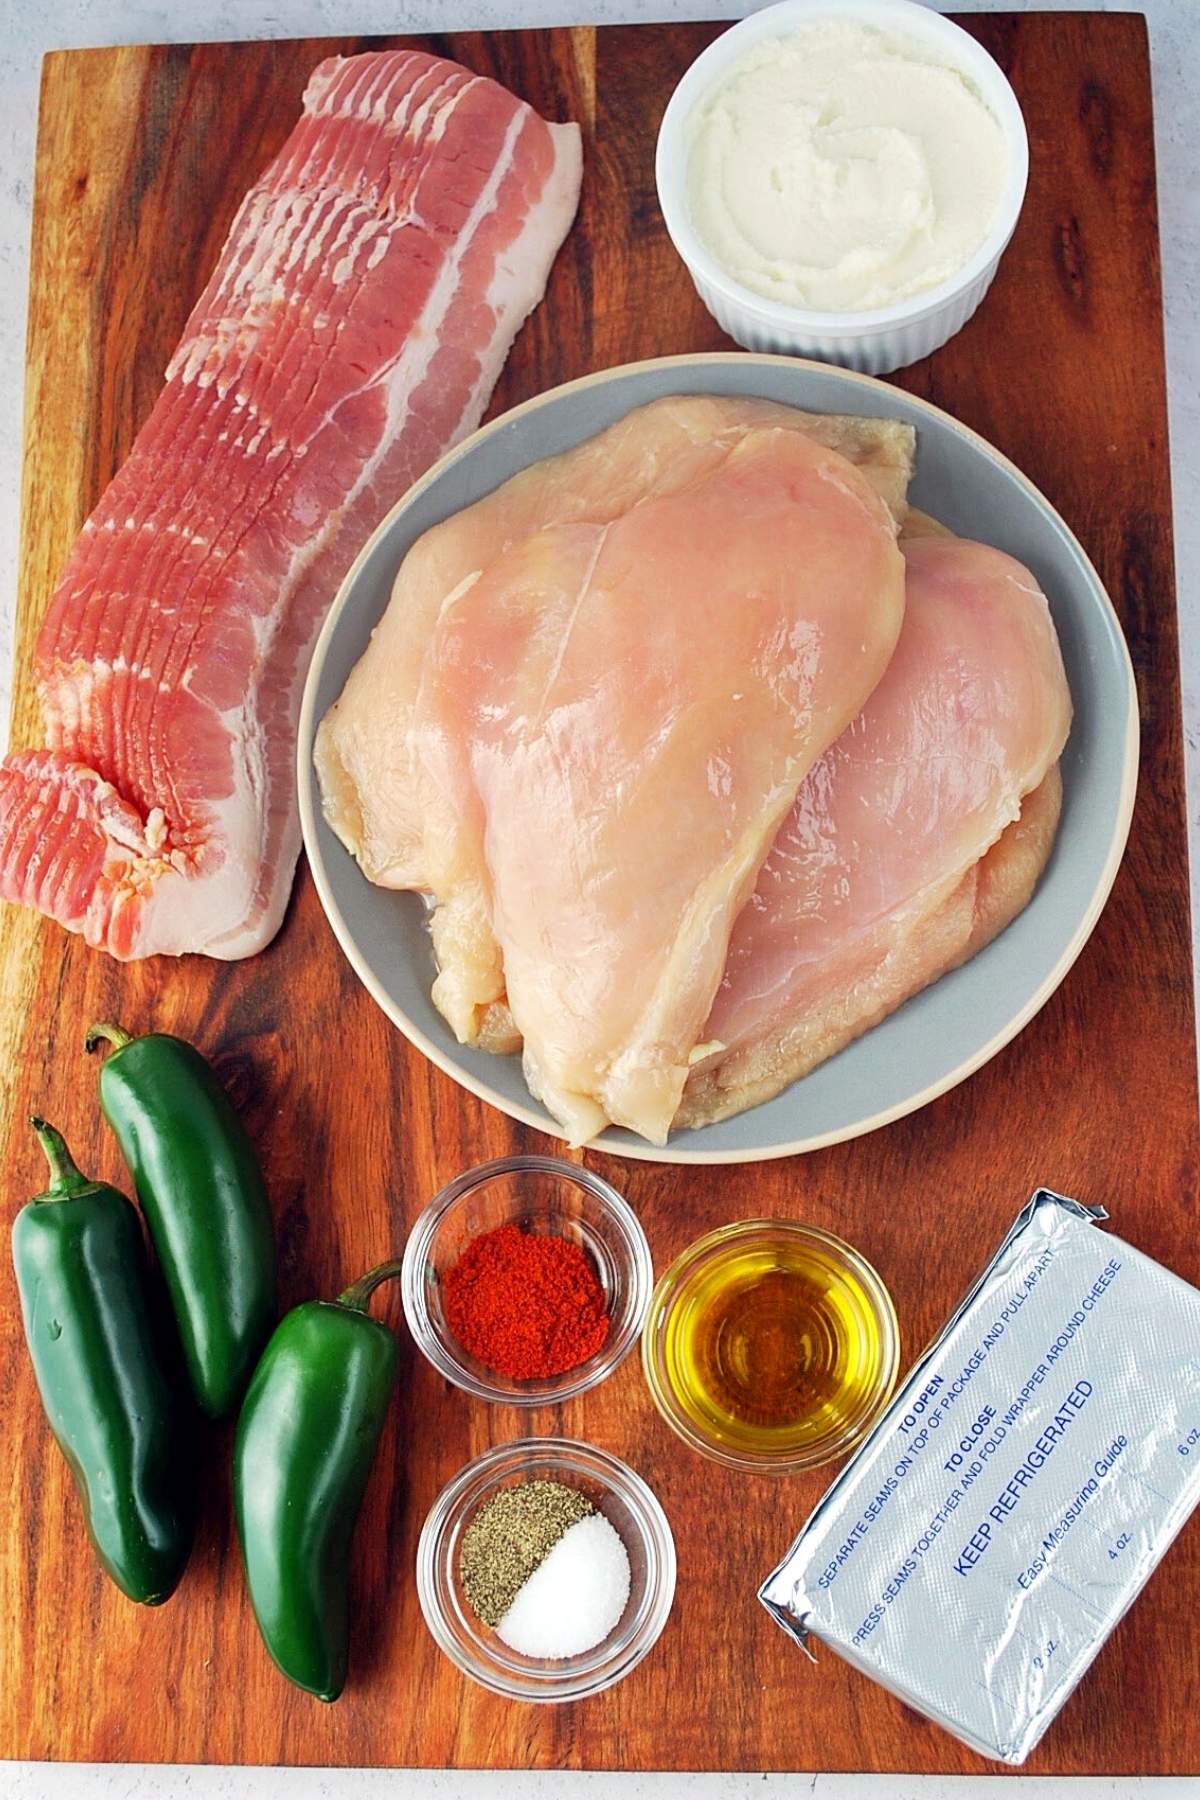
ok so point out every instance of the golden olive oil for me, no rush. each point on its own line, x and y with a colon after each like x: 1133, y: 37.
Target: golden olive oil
x: 774, y: 1345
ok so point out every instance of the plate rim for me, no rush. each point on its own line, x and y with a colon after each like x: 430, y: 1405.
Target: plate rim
x: 670, y: 1153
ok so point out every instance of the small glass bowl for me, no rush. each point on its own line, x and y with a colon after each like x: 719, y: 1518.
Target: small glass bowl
x: 630, y: 1508
x: 539, y: 1193
x: 862, y: 1297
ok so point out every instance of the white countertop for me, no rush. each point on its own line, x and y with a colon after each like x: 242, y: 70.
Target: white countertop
x: 33, y: 26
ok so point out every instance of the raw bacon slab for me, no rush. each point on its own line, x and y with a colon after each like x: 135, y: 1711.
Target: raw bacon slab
x: 353, y: 329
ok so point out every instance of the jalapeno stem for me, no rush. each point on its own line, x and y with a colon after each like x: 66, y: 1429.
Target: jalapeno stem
x: 66, y: 1178
x: 115, y: 1035
x: 358, y: 1295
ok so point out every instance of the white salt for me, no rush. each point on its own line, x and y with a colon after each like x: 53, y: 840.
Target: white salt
x: 574, y: 1597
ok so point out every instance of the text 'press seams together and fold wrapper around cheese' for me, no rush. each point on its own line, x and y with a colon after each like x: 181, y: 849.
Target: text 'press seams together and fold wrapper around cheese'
x: 1022, y: 1486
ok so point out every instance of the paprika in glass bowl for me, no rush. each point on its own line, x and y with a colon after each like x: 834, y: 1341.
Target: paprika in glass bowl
x: 526, y: 1280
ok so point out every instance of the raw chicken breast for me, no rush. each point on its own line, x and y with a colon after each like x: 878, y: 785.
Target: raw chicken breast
x: 363, y: 751
x: 915, y: 839
x: 613, y: 720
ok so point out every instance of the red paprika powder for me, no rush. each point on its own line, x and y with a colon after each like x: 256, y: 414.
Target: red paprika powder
x: 525, y: 1303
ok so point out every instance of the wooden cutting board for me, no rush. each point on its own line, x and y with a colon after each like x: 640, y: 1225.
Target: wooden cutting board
x: 142, y: 156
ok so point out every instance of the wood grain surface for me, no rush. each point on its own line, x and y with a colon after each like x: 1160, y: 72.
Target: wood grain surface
x: 143, y: 154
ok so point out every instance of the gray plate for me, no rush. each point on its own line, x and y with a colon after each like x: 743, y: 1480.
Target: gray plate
x: 945, y: 1033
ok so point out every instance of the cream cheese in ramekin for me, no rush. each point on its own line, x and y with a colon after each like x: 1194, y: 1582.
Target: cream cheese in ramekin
x: 843, y: 168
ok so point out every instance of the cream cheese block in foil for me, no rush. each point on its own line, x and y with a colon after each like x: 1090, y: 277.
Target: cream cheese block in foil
x: 1022, y: 1486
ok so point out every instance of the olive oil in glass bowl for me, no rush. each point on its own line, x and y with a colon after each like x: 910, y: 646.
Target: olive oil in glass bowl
x: 770, y: 1346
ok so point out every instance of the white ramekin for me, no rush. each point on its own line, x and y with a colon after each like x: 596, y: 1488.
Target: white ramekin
x: 887, y: 337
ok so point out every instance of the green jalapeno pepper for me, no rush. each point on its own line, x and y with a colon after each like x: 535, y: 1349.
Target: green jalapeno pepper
x: 306, y: 1439
x: 202, y: 1194
x: 83, y: 1277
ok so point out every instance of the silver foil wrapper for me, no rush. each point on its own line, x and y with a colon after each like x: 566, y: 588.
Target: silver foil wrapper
x: 1021, y: 1487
